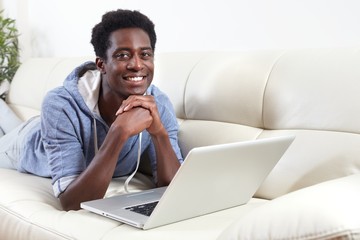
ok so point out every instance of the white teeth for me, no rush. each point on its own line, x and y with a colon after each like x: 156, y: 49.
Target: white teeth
x: 135, y: 78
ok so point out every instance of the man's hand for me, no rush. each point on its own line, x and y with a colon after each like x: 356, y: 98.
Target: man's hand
x: 133, y: 121
x: 146, y: 102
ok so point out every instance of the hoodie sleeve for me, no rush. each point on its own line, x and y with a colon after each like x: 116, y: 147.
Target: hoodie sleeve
x: 62, y: 135
x: 169, y: 120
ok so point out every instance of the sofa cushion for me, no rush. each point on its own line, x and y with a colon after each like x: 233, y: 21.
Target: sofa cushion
x: 8, y: 119
x: 329, y: 210
x: 314, y: 157
x: 51, y: 74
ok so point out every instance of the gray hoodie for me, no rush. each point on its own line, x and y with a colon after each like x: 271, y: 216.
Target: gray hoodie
x: 71, y: 130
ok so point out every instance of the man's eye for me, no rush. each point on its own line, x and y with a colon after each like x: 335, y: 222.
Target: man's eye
x: 147, y: 54
x: 121, y: 56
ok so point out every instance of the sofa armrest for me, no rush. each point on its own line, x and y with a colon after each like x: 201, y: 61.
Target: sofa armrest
x: 327, y: 210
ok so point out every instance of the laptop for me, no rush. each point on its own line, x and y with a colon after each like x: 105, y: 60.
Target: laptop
x: 212, y: 178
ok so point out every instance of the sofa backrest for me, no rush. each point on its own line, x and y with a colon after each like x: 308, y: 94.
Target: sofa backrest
x: 235, y: 96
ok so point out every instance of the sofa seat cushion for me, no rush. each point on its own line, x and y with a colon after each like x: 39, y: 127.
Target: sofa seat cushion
x: 29, y: 210
x: 329, y: 210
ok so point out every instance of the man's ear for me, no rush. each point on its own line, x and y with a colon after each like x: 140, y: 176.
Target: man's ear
x: 100, y: 64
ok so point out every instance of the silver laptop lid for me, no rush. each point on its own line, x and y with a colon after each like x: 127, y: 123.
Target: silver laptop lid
x: 217, y: 177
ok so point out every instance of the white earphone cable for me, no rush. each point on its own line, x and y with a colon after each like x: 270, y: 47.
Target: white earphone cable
x: 137, y: 165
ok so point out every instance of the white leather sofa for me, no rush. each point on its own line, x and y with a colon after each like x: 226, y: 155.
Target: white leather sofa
x: 312, y: 193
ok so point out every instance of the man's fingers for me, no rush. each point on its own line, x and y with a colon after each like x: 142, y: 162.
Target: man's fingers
x: 135, y: 101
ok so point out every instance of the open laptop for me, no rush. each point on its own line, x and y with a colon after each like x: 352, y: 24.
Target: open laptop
x: 212, y: 178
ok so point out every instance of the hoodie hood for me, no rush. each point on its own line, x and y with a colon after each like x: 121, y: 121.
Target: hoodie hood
x: 83, y: 84
x: 89, y: 88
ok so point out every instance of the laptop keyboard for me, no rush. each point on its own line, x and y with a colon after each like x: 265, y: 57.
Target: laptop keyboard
x: 145, y: 209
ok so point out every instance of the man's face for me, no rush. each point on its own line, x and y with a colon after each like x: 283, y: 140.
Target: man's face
x: 129, y: 67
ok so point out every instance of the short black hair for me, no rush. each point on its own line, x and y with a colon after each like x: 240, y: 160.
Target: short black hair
x: 119, y: 19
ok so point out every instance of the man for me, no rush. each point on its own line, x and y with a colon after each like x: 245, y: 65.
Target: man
x: 89, y: 130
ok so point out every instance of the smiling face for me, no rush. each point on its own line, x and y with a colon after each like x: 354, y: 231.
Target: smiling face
x: 129, y: 65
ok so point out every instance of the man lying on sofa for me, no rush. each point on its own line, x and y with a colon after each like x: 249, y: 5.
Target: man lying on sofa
x: 92, y: 127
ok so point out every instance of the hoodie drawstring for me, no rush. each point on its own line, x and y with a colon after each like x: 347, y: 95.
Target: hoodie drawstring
x: 95, y: 137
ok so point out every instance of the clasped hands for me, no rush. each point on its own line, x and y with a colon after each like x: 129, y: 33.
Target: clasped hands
x: 139, y: 112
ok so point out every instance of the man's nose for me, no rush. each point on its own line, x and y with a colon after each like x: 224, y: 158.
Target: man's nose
x: 135, y: 63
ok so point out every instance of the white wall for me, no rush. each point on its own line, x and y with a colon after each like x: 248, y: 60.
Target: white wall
x: 63, y: 27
